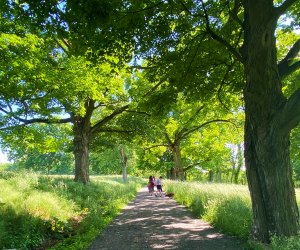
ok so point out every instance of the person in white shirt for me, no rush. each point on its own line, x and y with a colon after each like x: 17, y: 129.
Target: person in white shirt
x: 159, y: 186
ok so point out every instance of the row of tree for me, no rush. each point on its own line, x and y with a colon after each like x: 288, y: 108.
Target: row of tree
x: 167, y: 72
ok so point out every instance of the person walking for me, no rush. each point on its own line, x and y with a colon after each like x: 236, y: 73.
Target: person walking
x: 159, y: 186
x: 150, y: 185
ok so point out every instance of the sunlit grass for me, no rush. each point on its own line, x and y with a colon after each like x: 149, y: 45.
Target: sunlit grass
x: 36, y: 210
x: 227, y: 207
x: 55, y: 210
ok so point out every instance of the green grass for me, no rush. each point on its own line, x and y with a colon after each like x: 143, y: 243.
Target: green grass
x: 225, y: 206
x: 58, y: 213
x: 38, y: 210
x: 228, y: 208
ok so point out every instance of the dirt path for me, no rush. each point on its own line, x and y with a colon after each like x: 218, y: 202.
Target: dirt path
x: 151, y: 222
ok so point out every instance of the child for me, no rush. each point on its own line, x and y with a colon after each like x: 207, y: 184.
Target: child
x: 159, y: 186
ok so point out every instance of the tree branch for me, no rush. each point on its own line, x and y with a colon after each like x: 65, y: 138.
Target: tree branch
x: 156, y: 146
x: 289, y: 116
x: 47, y: 121
x: 138, y: 112
x: 285, y: 67
x: 61, y: 46
x: 219, y: 38
x: 96, y: 128
x: 192, y: 118
x: 102, y: 130
x: 36, y: 120
x: 202, y: 125
x: 284, y: 6
x: 234, y: 12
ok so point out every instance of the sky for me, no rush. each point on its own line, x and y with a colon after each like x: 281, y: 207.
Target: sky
x: 3, y: 157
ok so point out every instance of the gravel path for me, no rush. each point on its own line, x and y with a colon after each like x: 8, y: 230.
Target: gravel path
x: 151, y: 222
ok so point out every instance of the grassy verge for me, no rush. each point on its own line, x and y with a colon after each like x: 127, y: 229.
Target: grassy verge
x: 227, y: 207
x: 39, y: 211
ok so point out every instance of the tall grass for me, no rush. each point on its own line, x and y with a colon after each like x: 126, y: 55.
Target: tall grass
x: 37, y: 211
x: 227, y: 207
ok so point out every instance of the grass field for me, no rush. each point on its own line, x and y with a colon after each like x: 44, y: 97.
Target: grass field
x: 57, y: 213
x: 225, y: 206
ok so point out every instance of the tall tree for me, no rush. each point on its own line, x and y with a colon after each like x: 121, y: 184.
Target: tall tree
x: 41, y: 85
x: 267, y: 131
x: 79, y: 81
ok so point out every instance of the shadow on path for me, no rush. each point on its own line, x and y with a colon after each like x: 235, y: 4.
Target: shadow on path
x: 151, y: 222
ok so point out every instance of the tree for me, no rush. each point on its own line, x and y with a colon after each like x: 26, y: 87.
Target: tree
x: 178, y: 130
x: 40, y: 85
x: 267, y: 132
x: 72, y: 80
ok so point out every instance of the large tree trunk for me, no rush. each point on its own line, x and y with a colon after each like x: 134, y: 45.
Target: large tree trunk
x: 266, y: 144
x: 178, y: 168
x: 81, y: 149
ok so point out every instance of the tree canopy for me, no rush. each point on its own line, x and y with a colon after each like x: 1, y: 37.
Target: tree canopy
x: 100, y: 65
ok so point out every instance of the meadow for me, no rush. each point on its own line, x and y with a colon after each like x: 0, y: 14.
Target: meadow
x: 54, y: 212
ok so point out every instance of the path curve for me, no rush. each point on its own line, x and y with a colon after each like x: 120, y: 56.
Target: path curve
x: 151, y: 222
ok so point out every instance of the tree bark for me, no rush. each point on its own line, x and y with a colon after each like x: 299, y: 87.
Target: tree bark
x: 239, y: 164
x: 267, y: 156
x: 81, y: 149
x: 124, y: 163
x: 211, y: 176
x: 178, y: 168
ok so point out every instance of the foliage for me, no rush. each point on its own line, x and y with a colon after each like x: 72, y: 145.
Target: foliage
x: 37, y: 210
x: 200, y: 131
x: 286, y: 243
x: 5, y: 166
x: 44, y: 148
